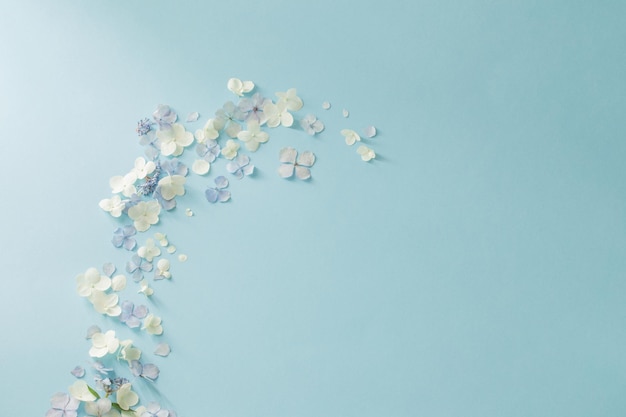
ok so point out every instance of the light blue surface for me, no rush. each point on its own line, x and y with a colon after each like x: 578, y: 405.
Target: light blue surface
x: 476, y: 268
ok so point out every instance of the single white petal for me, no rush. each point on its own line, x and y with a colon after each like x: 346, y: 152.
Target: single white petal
x: 247, y: 86
x: 326, y: 105
x: 288, y: 155
x: 201, y: 166
x: 286, y: 170
x: 369, y: 132
x: 235, y: 85
x: 193, y: 116
x: 118, y: 283
x: 345, y: 113
x: 307, y: 158
x: 182, y: 258
x: 303, y: 173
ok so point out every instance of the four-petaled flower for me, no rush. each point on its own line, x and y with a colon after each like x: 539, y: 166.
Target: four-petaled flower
x: 91, y: 280
x: 230, y: 150
x: 143, y: 168
x: 208, y: 132
x: 252, y: 109
x: 137, y: 266
x: 123, y: 236
x: 277, y: 114
x: 311, y: 125
x: 124, y: 184
x: 132, y: 315
x: 253, y: 137
x: 171, y: 186
x: 164, y: 116
x: 149, y: 251
x: 213, y: 195
x: 62, y: 405
x: 174, y: 140
x: 291, y: 99
x: 226, y: 118
x: 105, y: 303
x: 152, y: 324
x: 113, y: 205
x: 128, y: 352
x: 125, y: 397
x: 144, y: 214
x: 301, y: 166
x: 240, y: 166
x: 103, y: 343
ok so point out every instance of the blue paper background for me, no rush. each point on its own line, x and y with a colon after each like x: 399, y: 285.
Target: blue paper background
x: 475, y: 268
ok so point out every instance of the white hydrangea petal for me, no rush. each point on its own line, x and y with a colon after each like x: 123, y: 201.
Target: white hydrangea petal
x: 247, y: 86
x: 200, y: 166
x: 326, y: 105
x: 162, y: 349
x: 345, y: 113
x: 369, y: 132
x: 303, y: 173
x: 118, y: 283
x: 192, y: 117
x: 351, y: 136
x: 307, y: 158
x: 287, y: 155
x: 286, y: 170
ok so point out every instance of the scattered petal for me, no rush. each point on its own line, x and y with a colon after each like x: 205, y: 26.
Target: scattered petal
x: 188, y: 212
x: 193, y: 116
x: 78, y: 372
x: 80, y: 391
x: 162, y: 349
x: 152, y: 324
x: 345, y: 113
x: 93, y: 329
x: 200, y: 167
x: 108, y: 269
x: 326, y: 105
x: 366, y: 153
x: 118, y: 283
x: 182, y: 258
x: 239, y: 87
x: 369, y: 132
x: 171, y: 249
x: 351, y: 136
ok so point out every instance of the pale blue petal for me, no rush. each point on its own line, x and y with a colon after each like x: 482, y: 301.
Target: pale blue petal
x: 108, y: 269
x: 223, y: 196
x: 221, y: 182
x: 211, y: 195
x: 150, y: 371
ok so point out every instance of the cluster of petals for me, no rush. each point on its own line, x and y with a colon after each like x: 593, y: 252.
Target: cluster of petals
x: 152, y: 324
x: 239, y: 87
x: 103, y: 344
x: 113, y: 205
x: 91, y: 280
x: 144, y: 214
x: 105, y: 303
x: 174, y: 140
x: 124, y: 184
x: 253, y: 137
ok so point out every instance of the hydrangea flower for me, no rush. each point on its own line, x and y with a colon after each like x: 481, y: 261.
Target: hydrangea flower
x: 126, y: 398
x: 351, y: 136
x: 291, y: 99
x: 289, y: 163
x: 62, y: 405
x: 218, y: 193
x: 366, y: 153
x: 105, y: 303
x: 239, y: 87
x: 80, y: 391
x: 174, y: 140
x: 149, y: 251
x: 124, y: 184
x: 162, y: 270
x: 277, y: 114
x: 164, y: 116
x: 311, y: 125
x: 253, y: 137
x: 252, y: 109
x: 230, y: 150
x: 145, y: 289
x: 128, y: 352
x: 143, y: 168
x: 118, y: 283
x: 208, y: 150
x: 132, y: 315
x: 154, y: 410
x: 174, y: 167
x: 148, y: 371
x: 102, y: 344
x: 137, y: 266
x: 113, y: 205
x: 226, y: 118
x: 208, y: 132
x: 144, y: 214
x: 91, y: 280
x: 152, y: 324
x: 123, y: 236
x: 151, y: 144
x: 171, y: 186
x: 240, y: 166
x: 99, y: 408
